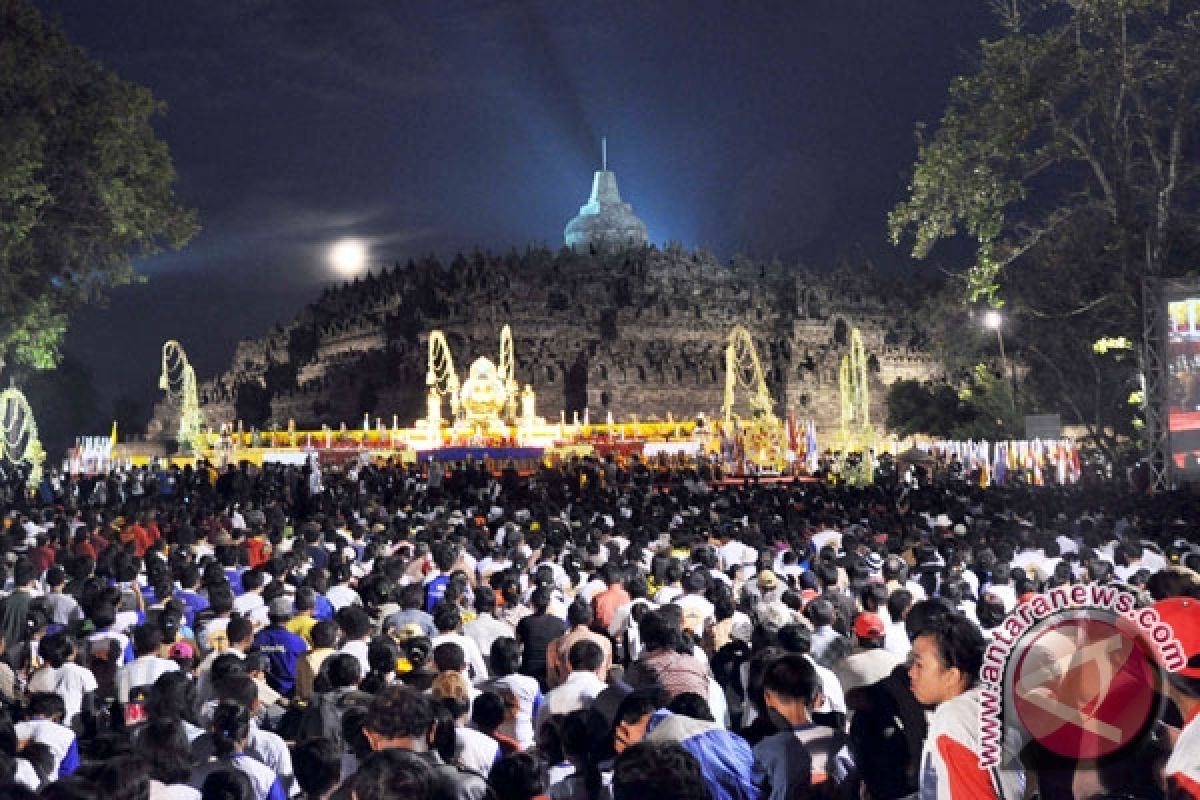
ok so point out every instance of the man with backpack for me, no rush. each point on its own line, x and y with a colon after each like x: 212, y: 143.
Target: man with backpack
x: 338, y: 691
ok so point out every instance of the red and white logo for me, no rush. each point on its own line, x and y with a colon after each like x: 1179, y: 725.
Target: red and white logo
x: 1084, y: 686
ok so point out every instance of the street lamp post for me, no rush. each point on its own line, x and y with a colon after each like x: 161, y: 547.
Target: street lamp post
x: 995, y: 321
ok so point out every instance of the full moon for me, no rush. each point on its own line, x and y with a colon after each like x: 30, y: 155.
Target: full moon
x: 348, y: 256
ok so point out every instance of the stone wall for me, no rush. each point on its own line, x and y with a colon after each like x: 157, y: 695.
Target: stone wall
x: 641, y: 332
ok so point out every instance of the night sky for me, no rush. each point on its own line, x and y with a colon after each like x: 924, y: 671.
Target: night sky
x: 768, y: 128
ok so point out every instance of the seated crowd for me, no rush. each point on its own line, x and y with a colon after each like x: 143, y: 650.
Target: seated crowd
x: 584, y: 632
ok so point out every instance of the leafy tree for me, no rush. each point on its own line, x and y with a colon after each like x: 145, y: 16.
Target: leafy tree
x: 1068, y: 159
x: 85, y: 184
x: 981, y: 410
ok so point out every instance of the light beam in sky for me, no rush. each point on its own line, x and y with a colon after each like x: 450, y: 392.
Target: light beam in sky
x: 348, y: 257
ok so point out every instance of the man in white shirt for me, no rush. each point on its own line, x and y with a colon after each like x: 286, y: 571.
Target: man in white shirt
x: 251, y: 597
x: 673, y: 588
x: 355, y: 625
x: 147, y: 666
x: 447, y: 620
x: 485, y: 628
x: 895, y: 638
x: 582, y: 684
x: 62, y: 676
x: 340, y: 594
x: 697, y: 610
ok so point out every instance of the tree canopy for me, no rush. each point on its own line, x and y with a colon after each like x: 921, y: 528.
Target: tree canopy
x: 1068, y: 159
x: 85, y: 184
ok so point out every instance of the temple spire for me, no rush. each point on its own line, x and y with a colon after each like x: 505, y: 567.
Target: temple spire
x: 605, y: 220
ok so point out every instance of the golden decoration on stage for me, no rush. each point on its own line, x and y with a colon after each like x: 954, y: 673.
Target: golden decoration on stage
x: 763, y: 434
x: 19, y: 441
x: 178, y: 380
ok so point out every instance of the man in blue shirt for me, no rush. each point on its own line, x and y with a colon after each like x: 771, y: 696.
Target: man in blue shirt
x: 282, y: 648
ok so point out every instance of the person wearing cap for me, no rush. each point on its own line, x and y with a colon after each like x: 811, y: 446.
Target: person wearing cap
x: 870, y: 662
x: 283, y: 648
x: 1182, y: 688
x: 770, y: 588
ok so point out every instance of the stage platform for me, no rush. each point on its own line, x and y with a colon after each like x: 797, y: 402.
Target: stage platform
x: 481, y: 454
x: 765, y: 480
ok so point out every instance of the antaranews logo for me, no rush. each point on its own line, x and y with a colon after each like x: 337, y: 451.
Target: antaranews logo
x: 1082, y: 664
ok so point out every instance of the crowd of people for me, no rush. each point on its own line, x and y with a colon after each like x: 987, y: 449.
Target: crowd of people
x: 583, y: 631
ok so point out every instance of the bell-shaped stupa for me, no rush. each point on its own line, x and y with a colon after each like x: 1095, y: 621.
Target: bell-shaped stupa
x: 605, y: 222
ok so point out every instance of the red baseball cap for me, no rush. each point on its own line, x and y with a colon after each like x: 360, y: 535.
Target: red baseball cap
x: 1183, y: 615
x: 869, y: 625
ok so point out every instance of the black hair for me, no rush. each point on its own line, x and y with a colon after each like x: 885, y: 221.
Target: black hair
x: 23, y: 572
x: 220, y: 598
x: 317, y: 763
x: 485, y: 600
x: 230, y: 726
x: 756, y: 671
x: 488, y: 711
x: 579, y: 613
x: 225, y: 666
x: 46, y: 704
x: 444, y: 740
x: 637, y: 704
x: 125, y: 777
x: 305, y: 599
x: 353, y: 735
x: 959, y: 644
x: 584, y: 734
x: 324, y: 633
x: 690, y: 704
x: 56, y: 649
x: 227, y: 784
x: 540, y: 599
x: 794, y: 677
x: 173, y: 697
x: 924, y: 614
x: 898, y: 602
x: 392, y: 773
x: 505, y: 657
x: 520, y: 776
x: 354, y: 622
x: 400, y: 711
x: 664, y: 771
x: 585, y: 656
x: 446, y: 617
x: 657, y: 632
x: 252, y: 579
x: 342, y: 670
x: 794, y: 638
x: 449, y: 656
x: 147, y: 639
x: 163, y: 743
x: 239, y: 629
